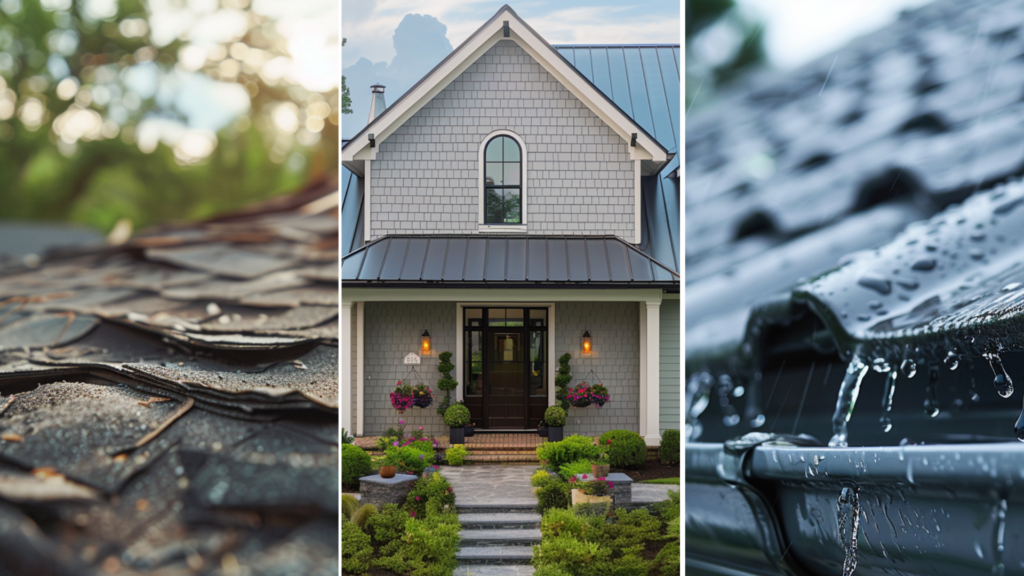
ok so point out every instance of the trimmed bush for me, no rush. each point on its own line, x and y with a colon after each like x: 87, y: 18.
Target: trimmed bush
x: 355, y: 463
x: 558, y: 522
x: 627, y: 449
x: 554, y: 416
x: 356, y: 550
x: 548, y: 570
x: 555, y: 494
x: 456, y: 454
x: 668, y: 510
x: 540, y: 478
x: 428, y: 548
x: 630, y: 531
x: 571, y: 556
x: 456, y: 416
x: 557, y: 454
x: 349, y: 504
x: 573, y: 468
x: 364, y: 513
x: 388, y: 525
x: 431, y: 496
x: 410, y: 459
x: 667, y: 559
x: 668, y: 452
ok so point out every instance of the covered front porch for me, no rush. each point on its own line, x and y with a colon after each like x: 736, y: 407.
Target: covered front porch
x: 505, y: 344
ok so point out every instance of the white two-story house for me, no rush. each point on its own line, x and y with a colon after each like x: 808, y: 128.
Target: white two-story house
x: 519, y: 198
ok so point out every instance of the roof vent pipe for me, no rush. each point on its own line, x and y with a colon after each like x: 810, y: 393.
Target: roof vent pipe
x: 377, y: 104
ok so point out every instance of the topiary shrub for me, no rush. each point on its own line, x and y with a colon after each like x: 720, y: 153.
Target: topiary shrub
x: 554, y: 494
x: 349, y: 504
x: 355, y: 463
x: 456, y: 416
x: 356, y: 550
x: 456, y: 454
x: 626, y: 450
x: 668, y: 452
x: 446, y: 383
x: 562, y: 380
x: 364, y: 513
x: 554, y: 416
x: 557, y: 454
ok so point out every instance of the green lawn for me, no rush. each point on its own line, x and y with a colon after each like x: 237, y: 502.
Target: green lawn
x: 661, y: 481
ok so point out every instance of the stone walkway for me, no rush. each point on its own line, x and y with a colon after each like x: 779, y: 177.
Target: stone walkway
x: 492, y: 484
x: 649, y: 493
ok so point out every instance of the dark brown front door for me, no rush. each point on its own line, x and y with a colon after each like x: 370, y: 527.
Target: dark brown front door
x: 505, y: 378
x: 505, y: 364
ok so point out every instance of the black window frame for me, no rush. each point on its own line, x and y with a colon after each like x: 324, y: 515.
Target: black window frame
x: 517, y: 187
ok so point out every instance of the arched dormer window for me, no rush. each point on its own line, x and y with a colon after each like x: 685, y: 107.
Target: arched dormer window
x: 503, y: 190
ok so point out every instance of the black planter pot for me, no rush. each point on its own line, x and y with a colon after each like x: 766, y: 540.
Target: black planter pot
x: 470, y: 431
x: 542, y: 432
x: 457, y: 435
x: 555, y: 433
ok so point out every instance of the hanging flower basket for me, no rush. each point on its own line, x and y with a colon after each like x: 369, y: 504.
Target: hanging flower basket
x: 579, y: 396
x: 599, y: 395
x: 422, y: 396
x: 402, y: 397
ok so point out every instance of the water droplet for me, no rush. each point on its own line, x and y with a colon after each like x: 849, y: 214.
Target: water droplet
x: 731, y: 420
x: 976, y: 254
x: 880, y: 365
x: 1002, y: 381
x: 924, y: 264
x: 1011, y: 287
x: 886, y: 423
x: 874, y: 304
x: 848, y: 512
x: 908, y: 367
x: 978, y: 236
x: 887, y: 395
x: 876, y: 283
x: 738, y: 392
x: 952, y: 360
x: 758, y: 421
x: 908, y: 284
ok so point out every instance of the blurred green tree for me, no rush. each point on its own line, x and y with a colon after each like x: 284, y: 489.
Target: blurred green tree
x: 98, y: 118
x: 346, y: 99
x: 722, y: 43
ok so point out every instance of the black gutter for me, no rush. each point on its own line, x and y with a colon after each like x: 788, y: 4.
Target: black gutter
x: 938, y: 510
x: 668, y: 287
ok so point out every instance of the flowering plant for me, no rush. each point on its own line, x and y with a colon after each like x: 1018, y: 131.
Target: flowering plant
x: 579, y: 395
x: 401, y: 397
x: 603, y: 459
x: 422, y: 396
x: 598, y: 487
x: 599, y: 394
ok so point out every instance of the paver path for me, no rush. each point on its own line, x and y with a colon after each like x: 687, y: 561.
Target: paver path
x: 647, y: 493
x: 492, y: 485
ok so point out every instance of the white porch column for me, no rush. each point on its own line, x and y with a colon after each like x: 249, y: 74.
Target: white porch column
x: 652, y: 383
x: 346, y: 372
x: 643, y: 367
x: 360, y: 366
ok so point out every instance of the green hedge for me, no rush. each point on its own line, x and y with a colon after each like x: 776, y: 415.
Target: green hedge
x: 355, y: 463
x: 668, y: 452
x: 627, y: 449
x: 554, y: 494
x: 558, y: 454
x: 356, y: 550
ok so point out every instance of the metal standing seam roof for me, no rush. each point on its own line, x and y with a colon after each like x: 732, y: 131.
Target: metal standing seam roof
x: 465, y: 260
x: 351, y: 211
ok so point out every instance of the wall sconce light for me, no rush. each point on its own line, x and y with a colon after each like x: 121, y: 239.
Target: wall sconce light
x: 425, y: 346
x: 586, y: 343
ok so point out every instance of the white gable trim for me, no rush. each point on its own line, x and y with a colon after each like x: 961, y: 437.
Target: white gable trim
x: 469, y: 52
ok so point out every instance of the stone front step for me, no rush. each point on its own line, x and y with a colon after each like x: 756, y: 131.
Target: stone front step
x: 498, y: 521
x: 475, y: 538
x: 492, y: 509
x: 495, y: 555
x: 511, y: 457
x: 478, y: 570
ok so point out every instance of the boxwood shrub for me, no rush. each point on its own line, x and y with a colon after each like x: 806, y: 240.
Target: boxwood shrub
x: 668, y: 453
x: 554, y: 494
x: 557, y: 454
x: 355, y: 463
x: 456, y: 416
x: 627, y: 449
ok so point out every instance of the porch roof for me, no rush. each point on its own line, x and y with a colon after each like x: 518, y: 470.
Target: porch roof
x: 468, y: 261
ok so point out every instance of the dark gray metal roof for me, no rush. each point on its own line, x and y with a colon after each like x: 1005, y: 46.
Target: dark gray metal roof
x: 475, y: 260
x: 351, y: 211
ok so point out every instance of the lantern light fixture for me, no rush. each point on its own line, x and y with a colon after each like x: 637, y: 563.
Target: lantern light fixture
x: 425, y: 346
x: 586, y: 343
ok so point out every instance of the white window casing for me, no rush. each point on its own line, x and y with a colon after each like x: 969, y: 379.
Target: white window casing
x: 502, y: 228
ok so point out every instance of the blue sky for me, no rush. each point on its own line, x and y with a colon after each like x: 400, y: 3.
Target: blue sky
x: 429, y: 30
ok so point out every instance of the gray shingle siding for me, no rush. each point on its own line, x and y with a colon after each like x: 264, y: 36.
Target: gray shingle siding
x: 668, y: 417
x: 393, y: 330
x: 615, y: 332
x: 579, y: 175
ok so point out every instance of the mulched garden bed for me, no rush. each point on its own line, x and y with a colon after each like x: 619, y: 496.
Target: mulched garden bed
x: 651, y: 470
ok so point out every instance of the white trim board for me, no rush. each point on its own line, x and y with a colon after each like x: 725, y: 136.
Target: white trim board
x: 490, y: 295
x: 469, y: 52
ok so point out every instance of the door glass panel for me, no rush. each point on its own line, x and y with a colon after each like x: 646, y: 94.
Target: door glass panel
x: 513, y: 317
x: 474, y: 363
x: 495, y: 316
x: 507, y: 348
x: 539, y: 314
x: 538, y: 375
